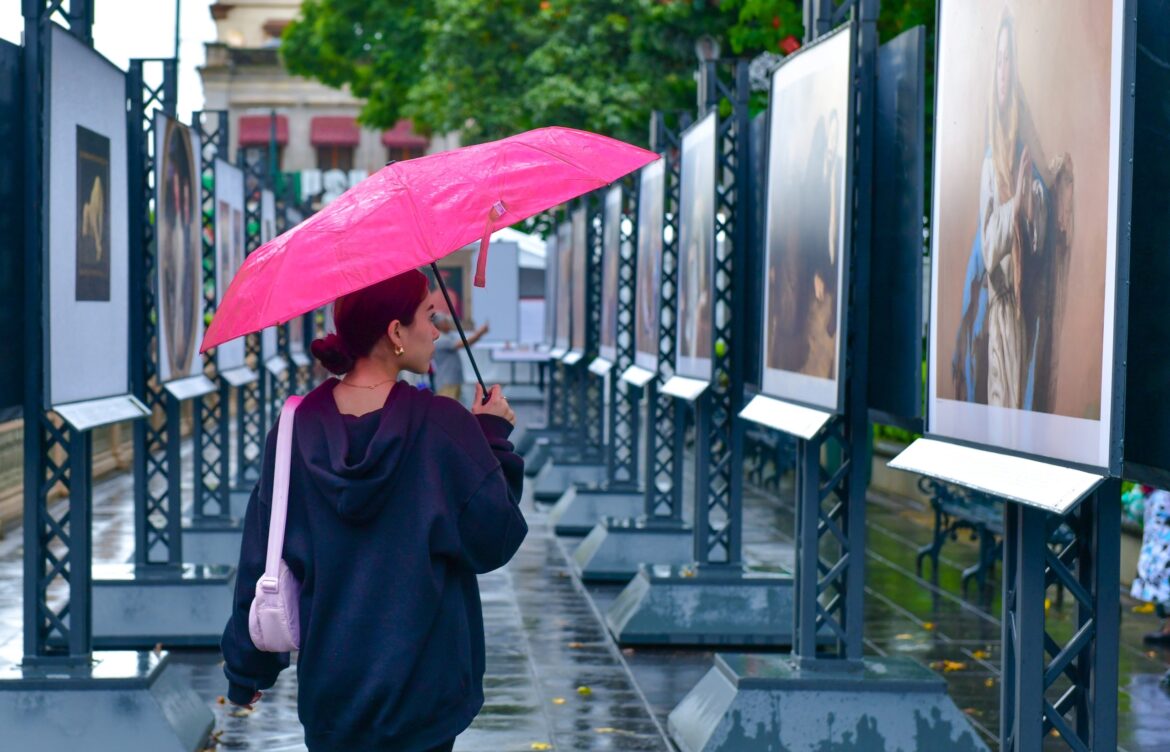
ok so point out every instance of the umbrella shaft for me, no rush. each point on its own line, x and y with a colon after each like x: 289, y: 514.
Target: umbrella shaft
x: 459, y: 328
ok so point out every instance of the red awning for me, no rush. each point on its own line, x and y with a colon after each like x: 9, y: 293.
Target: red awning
x: 334, y: 130
x: 254, y: 130
x: 402, y: 136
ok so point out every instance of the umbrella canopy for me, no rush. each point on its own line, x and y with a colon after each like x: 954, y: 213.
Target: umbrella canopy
x: 410, y: 214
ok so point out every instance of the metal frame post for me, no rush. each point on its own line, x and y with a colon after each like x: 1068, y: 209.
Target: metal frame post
x: 624, y: 409
x: 212, y: 455
x: 56, y: 545
x: 718, y: 512
x: 666, y: 420
x: 252, y: 399
x: 591, y: 410
x: 154, y: 542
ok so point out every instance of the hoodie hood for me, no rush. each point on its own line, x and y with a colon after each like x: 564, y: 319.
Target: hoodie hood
x: 358, y: 483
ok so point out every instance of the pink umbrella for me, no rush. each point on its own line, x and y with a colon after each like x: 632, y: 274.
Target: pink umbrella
x: 410, y: 214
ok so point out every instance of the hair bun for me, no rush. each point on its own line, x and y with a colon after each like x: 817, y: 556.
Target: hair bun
x: 332, y: 353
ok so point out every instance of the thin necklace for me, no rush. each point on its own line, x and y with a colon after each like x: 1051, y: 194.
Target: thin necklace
x: 364, y: 386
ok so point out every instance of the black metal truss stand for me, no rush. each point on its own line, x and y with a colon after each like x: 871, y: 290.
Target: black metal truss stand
x: 582, y: 506
x: 578, y: 458
x: 715, y: 599
x: 618, y: 545
x: 61, y: 691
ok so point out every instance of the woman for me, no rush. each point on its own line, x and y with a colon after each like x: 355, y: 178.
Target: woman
x: 397, y: 499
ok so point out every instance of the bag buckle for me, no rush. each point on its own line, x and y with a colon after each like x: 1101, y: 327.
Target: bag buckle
x: 268, y: 584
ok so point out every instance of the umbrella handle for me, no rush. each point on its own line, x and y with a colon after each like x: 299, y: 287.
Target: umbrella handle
x: 459, y: 328
x: 497, y: 211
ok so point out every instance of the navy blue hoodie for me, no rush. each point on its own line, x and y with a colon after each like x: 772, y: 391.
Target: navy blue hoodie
x: 386, y: 540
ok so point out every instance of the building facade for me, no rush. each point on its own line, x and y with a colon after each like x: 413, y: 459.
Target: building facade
x: 317, y: 134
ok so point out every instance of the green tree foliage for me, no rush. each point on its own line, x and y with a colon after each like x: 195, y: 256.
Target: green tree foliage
x: 489, y: 68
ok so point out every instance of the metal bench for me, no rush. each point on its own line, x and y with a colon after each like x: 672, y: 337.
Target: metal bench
x: 768, y: 454
x: 957, y: 509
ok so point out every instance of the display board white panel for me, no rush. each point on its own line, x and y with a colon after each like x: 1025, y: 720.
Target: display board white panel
x: 178, y: 282
x: 498, y: 304
x: 229, y: 249
x: 807, y: 223
x: 648, y: 298
x: 1025, y: 227
x: 696, y: 251
x: 86, y: 229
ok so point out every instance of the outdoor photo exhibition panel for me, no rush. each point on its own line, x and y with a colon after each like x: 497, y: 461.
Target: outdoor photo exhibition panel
x: 179, y: 241
x: 808, y: 223
x: 498, y: 303
x: 1025, y: 236
x: 87, y: 242
x: 696, y: 252
x: 229, y: 249
x: 580, y: 287
x: 550, y: 289
x: 564, y: 270
x: 651, y: 216
x: 611, y: 235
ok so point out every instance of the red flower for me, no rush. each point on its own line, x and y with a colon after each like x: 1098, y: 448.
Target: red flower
x: 775, y: 22
x: 789, y: 44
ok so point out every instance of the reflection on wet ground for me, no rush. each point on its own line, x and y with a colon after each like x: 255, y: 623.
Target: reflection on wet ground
x: 908, y: 615
x: 556, y: 682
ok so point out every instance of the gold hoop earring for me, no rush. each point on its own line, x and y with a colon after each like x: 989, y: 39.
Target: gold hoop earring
x: 399, y: 350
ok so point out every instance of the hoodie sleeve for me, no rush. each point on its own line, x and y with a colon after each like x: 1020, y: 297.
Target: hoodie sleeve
x: 491, y: 526
x: 249, y: 669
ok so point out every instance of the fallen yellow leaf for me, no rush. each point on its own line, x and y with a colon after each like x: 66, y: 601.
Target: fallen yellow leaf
x: 928, y: 626
x: 904, y: 636
x: 948, y: 666
x: 980, y: 655
x: 1144, y: 608
x: 558, y: 701
x: 605, y: 730
x: 1047, y: 603
x: 541, y: 745
x: 576, y: 645
x: 584, y: 691
x: 989, y: 682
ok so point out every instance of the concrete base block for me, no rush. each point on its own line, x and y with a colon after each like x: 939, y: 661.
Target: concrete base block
x: 704, y: 605
x: 526, y: 437
x: 141, y: 607
x: 212, y: 540
x: 580, y: 509
x: 121, y: 701
x: 555, y: 478
x: 536, y: 458
x: 616, y: 547
x: 761, y: 703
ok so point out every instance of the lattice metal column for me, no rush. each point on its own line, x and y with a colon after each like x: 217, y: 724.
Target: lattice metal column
x: 830, y: 571
x: 157, y: 517
x: 57, y: 551
x: 624, y: 399
x: 1051, y: 686
x: 591, y: 408
x: 212, y: 467
x: 718, y: 516
x: 251, y: 399
x: 667, y: 420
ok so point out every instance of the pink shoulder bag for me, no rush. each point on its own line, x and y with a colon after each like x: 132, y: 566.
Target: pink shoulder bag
x: 274, y: 621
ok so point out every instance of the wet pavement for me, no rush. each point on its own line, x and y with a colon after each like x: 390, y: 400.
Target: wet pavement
x: 555, y: 681
x: 910, y: 616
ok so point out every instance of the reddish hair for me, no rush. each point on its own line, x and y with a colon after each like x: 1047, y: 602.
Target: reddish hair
x: 362, y: 318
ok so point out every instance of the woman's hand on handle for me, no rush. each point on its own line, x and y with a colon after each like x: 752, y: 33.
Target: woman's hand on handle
x: 496, y: 405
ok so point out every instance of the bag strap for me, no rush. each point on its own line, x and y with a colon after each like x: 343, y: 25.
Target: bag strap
x: 276, y: 524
